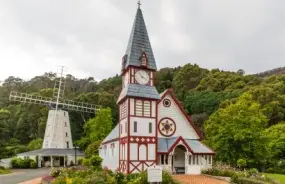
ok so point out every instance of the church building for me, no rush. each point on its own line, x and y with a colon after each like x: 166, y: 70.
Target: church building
x: 153, y: 128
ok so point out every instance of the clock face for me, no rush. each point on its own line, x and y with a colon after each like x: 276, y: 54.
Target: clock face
x: 142, y: 77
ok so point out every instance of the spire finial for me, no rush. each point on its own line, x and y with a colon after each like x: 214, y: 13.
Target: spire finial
x: 139, y: 4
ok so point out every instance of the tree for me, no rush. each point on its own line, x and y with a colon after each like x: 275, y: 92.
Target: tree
x: 188, y: 77
x: 35, y: 144
x: 275, y: 136
x: 96, y: 129
x: 235, y: 132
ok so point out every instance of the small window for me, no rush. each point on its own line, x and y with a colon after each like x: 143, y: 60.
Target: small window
x: 190, y: 160
x: 210, y: 159
x: 67, y: 144
x: 150, y: 128
x: 65, y: 124
x: 66, y: 135
x: 135, y: 126
x: 194, y: 159
x: 64, y: 113
x: 126, y: 127
x: 121, y: 127
x: 166, y: 103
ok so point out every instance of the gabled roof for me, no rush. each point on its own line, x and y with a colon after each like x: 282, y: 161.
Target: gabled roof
x: 171, y: 93
x: 139, y: 42
x: 137, y: 90
x: 166, y: 145
x: 113, y: 135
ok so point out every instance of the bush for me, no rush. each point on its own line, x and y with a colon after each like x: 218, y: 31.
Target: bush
x: 79, y: 161
x: 249, y: 181
x: 96, y: 162
x: 241, y: 163
x: 55, y: 172
x: 33, y: 164
x: 86, y: 162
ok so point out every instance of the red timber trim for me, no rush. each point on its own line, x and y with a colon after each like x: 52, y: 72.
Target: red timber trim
x: 170, y: 91
x: 142, y: 139
x: 143, y: 162
x: 136, y: 67
x: 128, y: 143
x: 156, y: 134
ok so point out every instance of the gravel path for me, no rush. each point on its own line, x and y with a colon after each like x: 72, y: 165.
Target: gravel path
x: 22, y: 175
x: 198, y: 179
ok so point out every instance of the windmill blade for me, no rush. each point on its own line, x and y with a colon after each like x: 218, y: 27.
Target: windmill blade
x: 64, y: 104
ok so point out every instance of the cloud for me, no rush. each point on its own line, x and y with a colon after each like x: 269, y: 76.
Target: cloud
x: 90, y: 37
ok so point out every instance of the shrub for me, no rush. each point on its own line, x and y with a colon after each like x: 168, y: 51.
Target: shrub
x: 86, y: 162
x: 14, y: 162
x: 79, y: 161
x: 241, y: 163
x: 55, y: 172
x: 249, y: 181
x: 33, y: 164
x: 96, y: 161
x: 71, y: 163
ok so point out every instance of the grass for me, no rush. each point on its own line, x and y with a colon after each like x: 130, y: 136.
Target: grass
x: 4, y: 171
x: 277, y: 177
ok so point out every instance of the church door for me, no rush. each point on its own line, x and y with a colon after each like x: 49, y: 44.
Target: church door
x: 178, y: 163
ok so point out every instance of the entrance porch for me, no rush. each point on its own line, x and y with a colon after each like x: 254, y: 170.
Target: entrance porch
x: 185, y: 156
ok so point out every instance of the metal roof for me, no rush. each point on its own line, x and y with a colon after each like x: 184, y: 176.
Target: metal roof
x: 137, y: 90
x: 52, y: 152
x: 139, y: 42
x: 114, y: 134
x: 164, y: 144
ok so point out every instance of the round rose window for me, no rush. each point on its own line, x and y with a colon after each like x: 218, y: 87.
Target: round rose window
x: 167, y: 127
x: 166, y: 102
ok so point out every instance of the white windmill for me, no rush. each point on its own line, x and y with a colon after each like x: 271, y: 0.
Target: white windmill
x: 57, y: 132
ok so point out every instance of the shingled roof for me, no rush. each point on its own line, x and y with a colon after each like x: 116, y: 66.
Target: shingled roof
x: 137, y: 90
x: 139, y: 42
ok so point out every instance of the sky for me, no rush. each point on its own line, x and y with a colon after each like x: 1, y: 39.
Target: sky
x: 90, y: 37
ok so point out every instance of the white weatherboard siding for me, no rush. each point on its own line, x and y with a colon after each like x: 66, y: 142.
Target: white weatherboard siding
x: 134, y: 151
x: 58, y: 133
x: 110, y: 159
x: 183, y: 128
x: 142, y: 126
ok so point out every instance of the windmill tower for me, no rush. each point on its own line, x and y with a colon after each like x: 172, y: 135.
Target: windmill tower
x: 57, y: 132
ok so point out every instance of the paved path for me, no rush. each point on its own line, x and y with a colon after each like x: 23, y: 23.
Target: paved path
x: 198, y: 179
x: 22, y: 175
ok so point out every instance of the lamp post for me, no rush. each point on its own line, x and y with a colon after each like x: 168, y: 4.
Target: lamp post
x: 75, y: 162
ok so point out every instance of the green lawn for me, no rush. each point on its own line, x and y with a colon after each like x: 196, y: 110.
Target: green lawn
x: 4, y: 171
x: 278, y: 177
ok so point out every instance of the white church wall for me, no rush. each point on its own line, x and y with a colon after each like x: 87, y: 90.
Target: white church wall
x: 134, y: 151
x: 142, y: 152
x: 142, y: 126
x: 151, y: 152
x: 110, y: 158
x: 183, y: 127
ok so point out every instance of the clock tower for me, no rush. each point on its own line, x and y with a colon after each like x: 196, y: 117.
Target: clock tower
x: 138, y: 102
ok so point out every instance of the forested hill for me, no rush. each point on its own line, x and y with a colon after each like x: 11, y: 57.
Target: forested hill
x: 231, y: 109
x: 275, y: 71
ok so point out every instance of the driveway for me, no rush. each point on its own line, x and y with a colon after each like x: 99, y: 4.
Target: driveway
x: 21, y: 175
x: 198, y: 179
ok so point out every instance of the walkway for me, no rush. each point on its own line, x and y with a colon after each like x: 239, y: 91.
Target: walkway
x: 198, y: 179
x: 22, y: 175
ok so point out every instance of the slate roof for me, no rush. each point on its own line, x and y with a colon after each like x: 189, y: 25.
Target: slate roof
x: 137, y: 90
x: 164, y: 144
x: 114, y: 134
x: 139, y: 40
x: 52, y: 152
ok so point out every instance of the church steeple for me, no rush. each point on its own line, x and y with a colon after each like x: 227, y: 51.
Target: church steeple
x: 139, y: 51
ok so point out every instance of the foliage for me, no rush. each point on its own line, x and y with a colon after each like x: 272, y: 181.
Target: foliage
x: 188, y: 77
x: 35, y: 144
x: 277, y: 177
x: 241, y: 163
x: 4, y: 171
x: 236, y: 132
x: 90, y: 176
x: 23, y: 163
x: 96, y: 161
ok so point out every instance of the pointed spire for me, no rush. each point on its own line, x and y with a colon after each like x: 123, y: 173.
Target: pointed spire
x: 139, y: 44
x: 139, y: 4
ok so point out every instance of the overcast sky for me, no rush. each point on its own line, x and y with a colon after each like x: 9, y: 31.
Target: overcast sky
x: 90, y: 36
